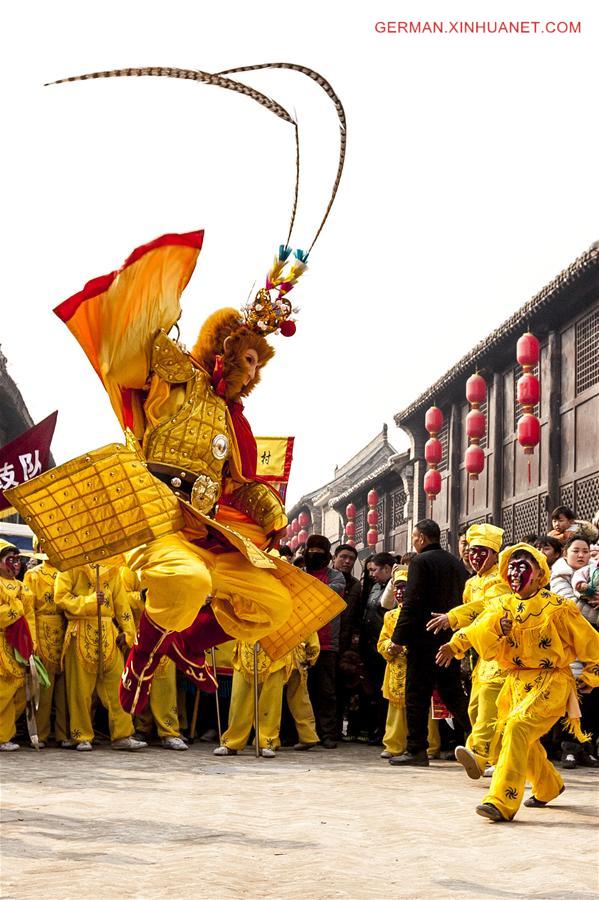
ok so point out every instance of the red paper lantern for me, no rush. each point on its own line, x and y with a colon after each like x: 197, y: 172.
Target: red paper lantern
x: 295, y: 526
x: 373, y: 517
x: 433, y: 420
x: 433, y: 451
x: 529, y: 432
x: 289, y: 532
x: 529, y: 392
x: 528, y: 350
x: 432, y: 483
x: 302, y: 536
x: 373, y: 498
x: 350, y: 529
x: 372, y: 537
x: 476, y: 424
x: 293, y: 543
x: 303, y: 519
x: 350, y: 511
x: 476, y: 390
x: 474, y: 460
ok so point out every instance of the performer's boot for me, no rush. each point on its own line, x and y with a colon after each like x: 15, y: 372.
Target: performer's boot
x: 187, y: 648
x: 151, y: 644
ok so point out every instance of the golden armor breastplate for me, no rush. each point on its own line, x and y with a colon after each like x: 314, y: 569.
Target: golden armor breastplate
x: 196, y: 438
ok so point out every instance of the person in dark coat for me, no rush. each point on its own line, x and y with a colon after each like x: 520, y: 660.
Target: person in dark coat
x: 435, y: 582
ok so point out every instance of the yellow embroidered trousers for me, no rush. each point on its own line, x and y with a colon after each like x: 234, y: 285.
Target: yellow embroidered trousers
x: 248, y: 602
x: 241, y: 711
x: 12, y: 704
x: 163, y: 704
x: 55, y: 693
x: 482, y: 712
x: 81, y: 685
x: 522, y: 758
x: 300, y: 707
x: 396, y: 732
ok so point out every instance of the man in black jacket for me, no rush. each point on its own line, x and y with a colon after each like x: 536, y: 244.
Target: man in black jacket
x: 435, y: 582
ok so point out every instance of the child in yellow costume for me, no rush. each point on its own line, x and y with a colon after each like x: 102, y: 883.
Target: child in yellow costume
x: 296, y: 691
x: 163, y: 693
x: 394, y: 681
x: 50, y: 626
x: 17, y: 632
x: 533, y: 635
x: 75, y: 594
x: 484, y: 542
x: 272, y: 675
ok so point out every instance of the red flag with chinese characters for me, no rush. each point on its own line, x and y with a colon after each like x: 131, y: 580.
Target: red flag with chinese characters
x: 26, y: 456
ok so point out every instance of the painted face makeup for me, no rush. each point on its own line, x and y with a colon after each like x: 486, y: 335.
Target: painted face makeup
x: 519, y: 574
x: 399, y: 591
x: 478, y: 557
x: 12, y: 563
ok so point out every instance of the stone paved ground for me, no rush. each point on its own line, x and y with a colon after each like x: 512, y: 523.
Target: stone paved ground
x: 323, y: 824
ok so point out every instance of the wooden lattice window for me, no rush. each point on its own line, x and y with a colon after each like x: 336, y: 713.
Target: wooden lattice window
x: 398, y: 503
x: 543, y: 513
x: 359, y: 538
x: 566, y: 495
x: 444, y: 539
x: 587, y: 497
x: 380, y: 508
x: 587, y: 352
x: 526, y: 518
x: 518, y: 411
x: 444, y: 438
x: 507, y: 523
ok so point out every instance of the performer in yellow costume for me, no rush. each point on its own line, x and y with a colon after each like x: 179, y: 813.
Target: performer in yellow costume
x: 17, y: 632
x: 394, y: 681
x: 272, y: 675
x: 484, y: 542
x: 50, y: 626
x: 75, y: 594
x: 296, y: 691
x: 163, y: 693
x: 533, y: 635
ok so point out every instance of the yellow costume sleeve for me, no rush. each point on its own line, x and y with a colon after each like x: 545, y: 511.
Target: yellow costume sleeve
x: 29, y: 611
x: 484, y: 634
x: 464, y: 615
x: 130, y: 584
x: 585, y: 641
x: 116, y: 317
x: 122, y: 609
x: 10, y: 610
x: 384, y: 642
x: 74, y: 606
x: 312, y: 648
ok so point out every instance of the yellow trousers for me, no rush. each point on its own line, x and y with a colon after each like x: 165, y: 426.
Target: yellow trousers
x: 81, y: 685
x: 12, y: 704
x: 241, y: 711
x: 300, y: 707
x: 482, y: 712
x: 57, y: 693
x: 163, y: 704
x: 396, y: 732
x: 248, y: 602
x: 522, y: 758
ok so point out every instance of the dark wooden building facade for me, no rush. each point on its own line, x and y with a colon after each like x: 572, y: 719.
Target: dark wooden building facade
x: 564, y: 316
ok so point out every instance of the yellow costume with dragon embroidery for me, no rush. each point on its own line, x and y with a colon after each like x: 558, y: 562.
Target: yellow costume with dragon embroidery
x: 296, y: 690
x: 487, y: 677
x: 75, y: 595
x: 548, y: 634
x: 15, y: 601
x: 272, y: 675
x: 394, y: 690
x: 51, y: 626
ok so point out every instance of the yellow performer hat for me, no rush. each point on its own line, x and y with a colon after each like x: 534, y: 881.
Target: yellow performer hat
x: 6, y: 545
x: 485, y: 536
x: 400, y: 574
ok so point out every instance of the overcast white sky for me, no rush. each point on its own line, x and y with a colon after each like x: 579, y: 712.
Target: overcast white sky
x: 470, y: 181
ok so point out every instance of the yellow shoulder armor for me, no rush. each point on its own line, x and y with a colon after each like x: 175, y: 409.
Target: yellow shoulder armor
x: 169, y: 361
